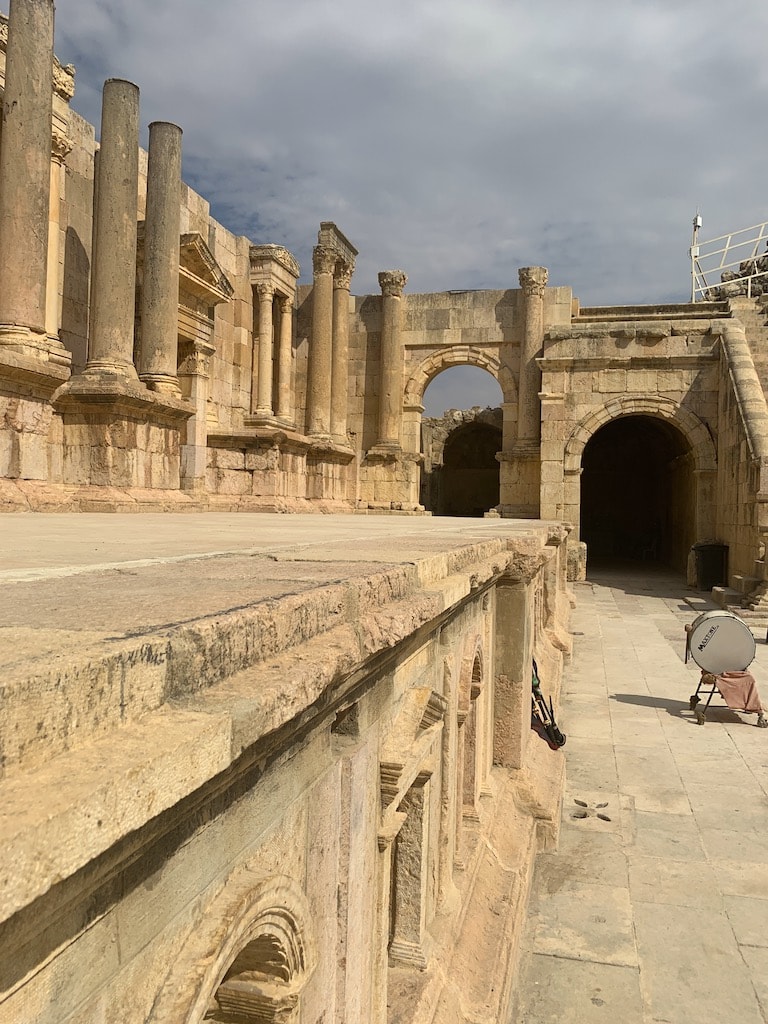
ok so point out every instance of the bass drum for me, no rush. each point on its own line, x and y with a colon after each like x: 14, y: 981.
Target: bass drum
x: 720, y: 641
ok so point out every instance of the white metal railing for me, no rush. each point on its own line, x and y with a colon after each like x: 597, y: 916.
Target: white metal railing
x: 732, y: 264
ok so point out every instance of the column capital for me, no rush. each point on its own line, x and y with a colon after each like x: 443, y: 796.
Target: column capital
x: 285, y: 303
x: 342, y: 276
x: 323, y: 259
x: 61, y: 146
x: 392, y: 282
x: 265, y: 291
x: 533, y: 280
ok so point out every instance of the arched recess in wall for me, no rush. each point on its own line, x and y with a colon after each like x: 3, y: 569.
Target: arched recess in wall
x: 460, y: 469
x: 641, y: 476
x: 249, y: 957
x: 470, y: 734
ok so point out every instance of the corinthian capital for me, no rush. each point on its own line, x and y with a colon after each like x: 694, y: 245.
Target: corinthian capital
x: 61, y: 146
x: 533, y: 280
x: 392, y: 282
x: 342, y: 277
x: 323, y: 259
x: 266, y: 291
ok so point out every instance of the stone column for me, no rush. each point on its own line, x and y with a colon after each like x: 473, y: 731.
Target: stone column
x: 266, y: 295
x: 113, y: 279
x: 391, y: 283
x: 320, y: 352
x: 25, y: 175
x: 158, y: 359
x: 61, y: 147
x: 285, y: 361
x: 533, y: 281
x: 340, y: 364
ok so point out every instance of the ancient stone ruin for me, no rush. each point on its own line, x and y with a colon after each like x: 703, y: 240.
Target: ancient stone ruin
x: 300, y: 783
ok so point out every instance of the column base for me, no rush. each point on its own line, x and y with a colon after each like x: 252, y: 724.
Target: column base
x: 35, y: 344
x: 406, y: 953
x: 162, y: 383
x: 385, y: 450
x: 110, y: 370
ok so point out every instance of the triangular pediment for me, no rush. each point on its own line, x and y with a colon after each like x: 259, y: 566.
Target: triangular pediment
x: 199, y: 271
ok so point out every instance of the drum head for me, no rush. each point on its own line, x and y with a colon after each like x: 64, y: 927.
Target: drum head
x: 721, y: 642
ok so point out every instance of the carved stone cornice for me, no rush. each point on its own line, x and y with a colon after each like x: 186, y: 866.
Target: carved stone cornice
x: 260, y: 254
x: 533, y: 280
x: 323, y: 260
x: 199, y: 272
x: 63, y: 74
x: 64, y: 79
x: 330, y: 236
x: 342, y: 276
x: 392, y: 282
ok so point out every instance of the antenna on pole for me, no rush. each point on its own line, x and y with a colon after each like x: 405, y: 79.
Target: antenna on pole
x: 693, y: 252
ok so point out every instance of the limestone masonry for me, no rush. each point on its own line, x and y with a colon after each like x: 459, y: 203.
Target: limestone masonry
x: 281, y: 768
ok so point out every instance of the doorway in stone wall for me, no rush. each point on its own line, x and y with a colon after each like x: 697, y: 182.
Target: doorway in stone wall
x: 460, y: 476
x: 638, y: 493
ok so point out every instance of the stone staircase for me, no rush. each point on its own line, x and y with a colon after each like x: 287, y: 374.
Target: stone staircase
x: 753, y: 314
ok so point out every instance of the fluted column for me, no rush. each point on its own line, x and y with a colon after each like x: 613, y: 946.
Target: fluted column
x: 533, y: 281
x: 266, y: 295
x: 25, y: 173
x: 340, y: 363
x: 158, y: 360
x: 285, y: 361
x: 391, y: 283
x: 320, y: 353
x: 113, y: 280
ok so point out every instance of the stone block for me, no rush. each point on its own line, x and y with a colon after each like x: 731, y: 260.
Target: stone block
x: 612, y: 381
x: 225, y: 458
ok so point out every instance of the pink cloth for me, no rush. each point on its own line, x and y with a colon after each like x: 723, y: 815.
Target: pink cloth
x: 739, y: 691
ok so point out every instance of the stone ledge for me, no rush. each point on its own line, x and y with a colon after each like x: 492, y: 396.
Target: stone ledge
x: 120, y: 396
x: 58, y: 818
x: 113, y: 680
x: 43, y: 377
x: 39, y: 496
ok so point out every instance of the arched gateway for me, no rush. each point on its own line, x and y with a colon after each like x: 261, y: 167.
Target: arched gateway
x: 644, y: 468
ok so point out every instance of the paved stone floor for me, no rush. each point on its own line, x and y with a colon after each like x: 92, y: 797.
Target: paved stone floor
x: 659, y: 914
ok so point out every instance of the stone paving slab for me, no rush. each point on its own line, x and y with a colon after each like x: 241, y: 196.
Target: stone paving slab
x: 661, y: 914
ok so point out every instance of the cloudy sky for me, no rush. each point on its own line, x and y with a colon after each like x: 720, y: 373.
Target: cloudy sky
x: 455, y: 139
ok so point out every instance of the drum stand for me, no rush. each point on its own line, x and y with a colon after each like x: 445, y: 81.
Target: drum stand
x: 708, y: 679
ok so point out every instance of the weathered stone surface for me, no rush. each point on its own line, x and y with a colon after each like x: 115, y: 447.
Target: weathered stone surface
x: 241, y: 710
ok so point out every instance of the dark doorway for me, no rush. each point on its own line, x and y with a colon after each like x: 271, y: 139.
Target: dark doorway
x: 637, y: 493
x: 469, y: 479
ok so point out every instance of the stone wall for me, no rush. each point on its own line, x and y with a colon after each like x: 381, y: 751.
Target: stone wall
x: 328, y: 801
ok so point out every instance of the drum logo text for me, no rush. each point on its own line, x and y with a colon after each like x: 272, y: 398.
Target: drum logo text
x: 707, y: 638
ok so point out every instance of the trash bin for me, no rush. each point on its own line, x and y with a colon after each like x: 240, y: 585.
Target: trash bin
x: 711, y: 565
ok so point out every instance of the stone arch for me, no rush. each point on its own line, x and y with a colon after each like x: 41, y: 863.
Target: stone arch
x: 461, y: 355
x: 252, y: 952
x: 692, y: 428
x: 472, y: 673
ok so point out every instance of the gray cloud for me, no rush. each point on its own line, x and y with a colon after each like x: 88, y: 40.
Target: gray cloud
x: 458, y: 141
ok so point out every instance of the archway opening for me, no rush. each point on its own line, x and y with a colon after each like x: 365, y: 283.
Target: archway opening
x: 461, y: 474
x: 638, y: 493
